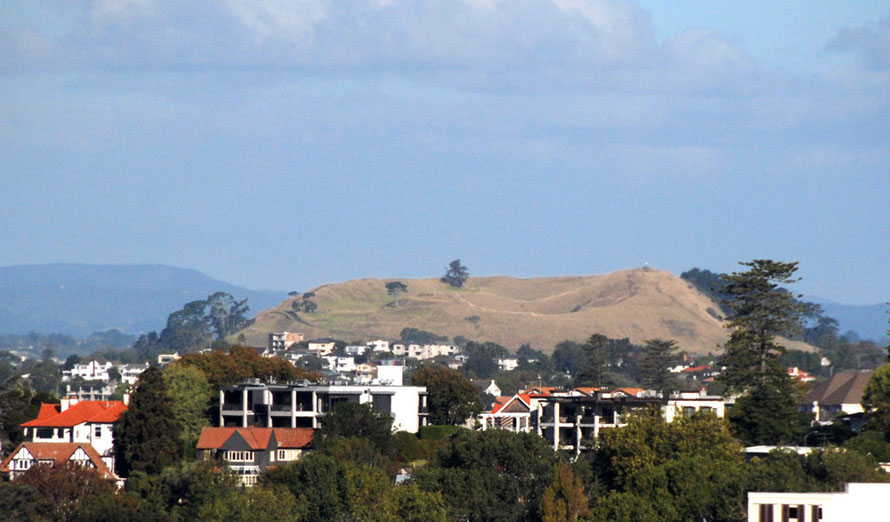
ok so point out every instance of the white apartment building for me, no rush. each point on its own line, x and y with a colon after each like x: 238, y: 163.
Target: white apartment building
x: 427, y: 351
x: 859, y: 501
x: 379, y: 345
x: 303, y: 405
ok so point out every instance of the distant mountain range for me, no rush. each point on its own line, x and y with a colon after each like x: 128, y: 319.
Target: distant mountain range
x: 868, y: 321
x: 79, y: 299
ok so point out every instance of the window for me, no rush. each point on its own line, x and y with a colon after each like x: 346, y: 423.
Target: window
x: 97, y: 431
x: 766, y: 513
x: 282, y: 455
x: 688, y: 411
x: 239, y: 456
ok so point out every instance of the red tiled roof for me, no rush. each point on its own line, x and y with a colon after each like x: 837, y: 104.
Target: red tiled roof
x: 524, y: 397
x: 695, y: 369
x: 293, y: 438
x: 256, y: 438
x: 59, y: 453
x: 633, y: 392
x: 84, y: 411
x: 588, y: 389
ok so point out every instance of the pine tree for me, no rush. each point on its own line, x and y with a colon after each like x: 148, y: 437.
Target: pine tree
x: 147, y: 436
x: 658, y: 356
x: 761, y: 311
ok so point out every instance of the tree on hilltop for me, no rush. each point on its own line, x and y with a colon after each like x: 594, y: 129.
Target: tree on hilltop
x: 396, y: 289
x: 456, y: 275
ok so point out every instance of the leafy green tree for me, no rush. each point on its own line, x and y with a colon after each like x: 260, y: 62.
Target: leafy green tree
x: 876, y: 401
x: 225, y: 314
x: 187, y: 329
x: 870, y: 443
x: 482, y: 361
x: 767, y: 414
x: 65, y: 486
x: 452, y: 399
x: 658, y: 356
x: 568, y: 356
x: 396, y: 289
x: 761, y: 311
x: 688, y: 469
x: 410, y: 335
x: 261, y: 504
x: 20, y: 502
x: 226, y: 369
x: 490, y: 475
x: 412, y: 504
x: 456, y: 274
x: 190, y: 395
x: 564, y: 500
x: 18, y: 404
x: 318, y: 481
x: 347, y: 419
x: 148, y: 437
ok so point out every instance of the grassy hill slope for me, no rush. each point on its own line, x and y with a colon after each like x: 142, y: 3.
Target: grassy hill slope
x: 639, y: 304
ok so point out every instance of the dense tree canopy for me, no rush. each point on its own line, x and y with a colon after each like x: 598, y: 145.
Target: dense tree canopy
x: 148, y: 437
x: 452, y: 399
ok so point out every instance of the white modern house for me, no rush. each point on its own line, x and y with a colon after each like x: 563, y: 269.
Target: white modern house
x: 859, y: 501
x: 340, y: 364
x: 303, y: 405
x: 91, y: 371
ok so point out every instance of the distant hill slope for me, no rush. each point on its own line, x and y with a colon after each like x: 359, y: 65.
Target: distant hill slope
x: 639, y: 304
x: 79, y: 299
x: 868, y: 321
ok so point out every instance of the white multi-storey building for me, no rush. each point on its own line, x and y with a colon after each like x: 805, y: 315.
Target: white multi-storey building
x: 74, y: 421
x: 303, y: 405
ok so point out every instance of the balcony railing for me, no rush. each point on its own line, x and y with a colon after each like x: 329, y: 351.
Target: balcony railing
x: 233, y: 406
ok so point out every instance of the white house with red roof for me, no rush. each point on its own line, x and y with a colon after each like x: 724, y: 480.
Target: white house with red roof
x: 248, y: 451
x: 29, y: 454
x: 73, y: 421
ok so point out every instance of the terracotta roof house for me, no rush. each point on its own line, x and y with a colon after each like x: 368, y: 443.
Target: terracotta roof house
x: 251, y: 450
x: 73, y: 421
x: 841, y: 393
x: 27, y: 454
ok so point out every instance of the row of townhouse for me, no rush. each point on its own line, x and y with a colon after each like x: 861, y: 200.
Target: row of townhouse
x: 282, y: 341
x: 571, y: 419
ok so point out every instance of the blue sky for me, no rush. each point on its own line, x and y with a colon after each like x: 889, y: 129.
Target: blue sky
x: 284, y: 145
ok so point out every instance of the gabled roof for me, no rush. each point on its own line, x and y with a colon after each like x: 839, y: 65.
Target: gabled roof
x: 841, y: 388
x: 256, y: 438
x: 59, y: 453
x: 522, y: 397
x: 50, y: 415
x: 587, y: 390
x: 633, y: 392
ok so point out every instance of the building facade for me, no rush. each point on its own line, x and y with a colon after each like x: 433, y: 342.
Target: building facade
x: 303, y: 405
